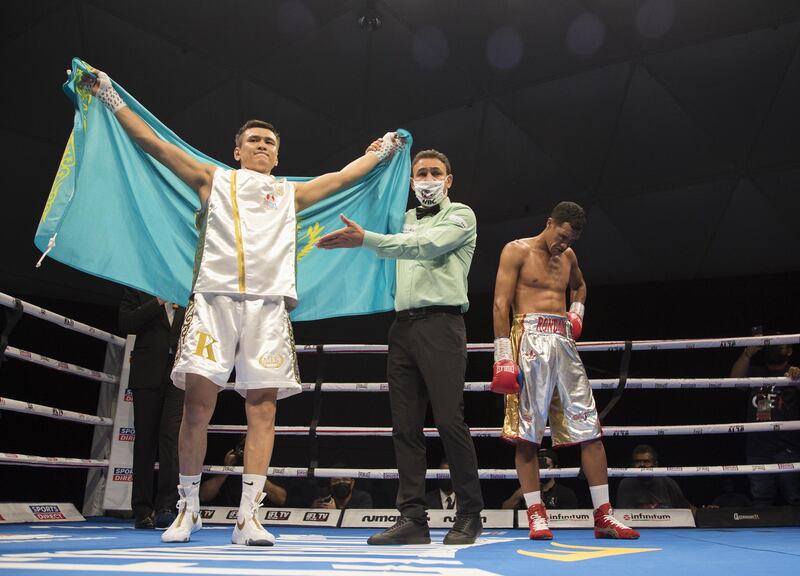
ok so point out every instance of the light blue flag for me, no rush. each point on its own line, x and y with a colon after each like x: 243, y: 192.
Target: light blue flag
x: 115, y: 212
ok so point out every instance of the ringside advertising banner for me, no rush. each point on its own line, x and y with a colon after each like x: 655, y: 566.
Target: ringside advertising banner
x: 383, y: 518
x: 120, y: 462
x: 656, y: 518
x: 27, y: 512
x: 274, y: 516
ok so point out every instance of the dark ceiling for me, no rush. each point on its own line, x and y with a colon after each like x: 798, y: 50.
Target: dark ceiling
x: 674, y: 122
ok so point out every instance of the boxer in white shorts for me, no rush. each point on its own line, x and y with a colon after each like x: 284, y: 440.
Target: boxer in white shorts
x: 532, y: 280
x: 244, y: 285
x: 251, y: 334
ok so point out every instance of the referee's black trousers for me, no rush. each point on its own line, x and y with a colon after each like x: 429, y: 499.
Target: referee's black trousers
x: 427, y: 361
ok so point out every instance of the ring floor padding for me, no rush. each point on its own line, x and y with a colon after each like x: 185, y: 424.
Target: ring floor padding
x: 102, y: 546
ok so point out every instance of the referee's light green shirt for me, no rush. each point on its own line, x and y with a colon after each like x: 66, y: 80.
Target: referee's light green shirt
x: 433, y: 256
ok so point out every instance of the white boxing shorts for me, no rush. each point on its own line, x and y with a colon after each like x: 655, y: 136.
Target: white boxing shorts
x: 252, y: 334
x: 555, y: 383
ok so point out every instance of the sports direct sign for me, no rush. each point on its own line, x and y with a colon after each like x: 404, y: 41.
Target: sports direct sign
x: 38, y: 512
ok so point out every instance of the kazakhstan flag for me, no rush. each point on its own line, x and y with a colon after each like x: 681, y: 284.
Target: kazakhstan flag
x: 115, y: 212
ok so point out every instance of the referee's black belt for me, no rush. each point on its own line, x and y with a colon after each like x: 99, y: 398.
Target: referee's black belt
x: 413, y: 313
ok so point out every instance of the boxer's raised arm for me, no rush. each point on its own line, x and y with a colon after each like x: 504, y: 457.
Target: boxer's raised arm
x: 197, y: 175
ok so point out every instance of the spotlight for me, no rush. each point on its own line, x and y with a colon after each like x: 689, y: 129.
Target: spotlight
x: 369, y: 19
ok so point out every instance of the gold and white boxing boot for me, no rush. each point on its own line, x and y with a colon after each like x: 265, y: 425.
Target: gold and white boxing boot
x: 188, y: 519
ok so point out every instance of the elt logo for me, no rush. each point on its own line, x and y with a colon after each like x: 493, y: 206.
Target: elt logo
x: 578, y: 553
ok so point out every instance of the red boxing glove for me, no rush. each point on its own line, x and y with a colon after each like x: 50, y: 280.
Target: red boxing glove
x: 505, y: 372
x: 504, y: 377
x: 575, y: 317
x: 577, y: 324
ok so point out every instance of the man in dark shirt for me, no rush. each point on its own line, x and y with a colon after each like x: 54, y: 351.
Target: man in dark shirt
x: 642, y: 492
x: 157, y: 404
x: 443, y: 497
x: 343, y: 494
x: 769, y: 404
x: 554, y: 495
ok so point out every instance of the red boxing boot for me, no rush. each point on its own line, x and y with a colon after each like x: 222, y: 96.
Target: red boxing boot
x: 537, y: 521
x: 606, y: 526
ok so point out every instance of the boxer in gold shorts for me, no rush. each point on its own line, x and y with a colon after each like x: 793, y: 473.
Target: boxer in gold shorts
x: 538, y: 368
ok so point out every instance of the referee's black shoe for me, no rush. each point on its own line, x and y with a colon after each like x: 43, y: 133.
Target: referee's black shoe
x: 466, y: 528
x: 144, y: 521
x: 405, y: 531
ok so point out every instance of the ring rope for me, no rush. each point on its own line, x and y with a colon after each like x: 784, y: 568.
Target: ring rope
x: 42, y: 360
x: 478, y: 432
x: 688, y: 344
x: 489, y: 432
x: 596, y: 383
x: 57, y: 462
x: 432, y: 474
x: 62, y: 321
x: 50, y: 461
x: 498, y: 474
x: 51, y: 412
x: 600, y: 346
x: 692, y: 383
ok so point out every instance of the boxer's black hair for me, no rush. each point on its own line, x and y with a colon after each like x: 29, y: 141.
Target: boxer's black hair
x: 255, y: 124
x: 569, y: 213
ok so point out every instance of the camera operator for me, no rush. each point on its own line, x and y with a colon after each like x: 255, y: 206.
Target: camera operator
x: 226, y: 490
x: 770, y: 404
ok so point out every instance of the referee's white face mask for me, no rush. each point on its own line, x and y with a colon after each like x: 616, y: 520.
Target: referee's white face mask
x: 429, y: 192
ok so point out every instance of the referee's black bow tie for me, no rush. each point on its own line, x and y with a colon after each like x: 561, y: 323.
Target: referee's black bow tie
x: 422, y: 211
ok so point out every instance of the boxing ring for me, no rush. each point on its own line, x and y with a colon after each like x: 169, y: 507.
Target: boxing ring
x: 106, y: 546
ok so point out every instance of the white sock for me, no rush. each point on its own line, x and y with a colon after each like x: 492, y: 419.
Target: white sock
x: 532, y: 498
x: 191, y: 488
x: 252, y: 485
x: 599, y: 495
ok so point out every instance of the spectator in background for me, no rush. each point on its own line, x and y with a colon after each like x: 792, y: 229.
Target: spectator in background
x: 769, y: 404
x: 730, y: 498
x: 443, y: 497
x: 652, y: 492
x: 554, y: 495
x: 342, y: 494
x: 226, y: 490
x: 157, y: 404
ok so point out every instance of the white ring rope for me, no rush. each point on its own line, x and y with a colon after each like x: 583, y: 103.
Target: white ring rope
x: 597, y: 384
x: 608, y: 383
x: 391, y: 473
x: 603, y: 346
x: 691, y: 383
x: 497, y: 474
x: 694, y: 344
x: 41, y: 360
x: 683, y: 430
x: 51, y: 412
x: 50, y: 461
x: 62, y: 321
